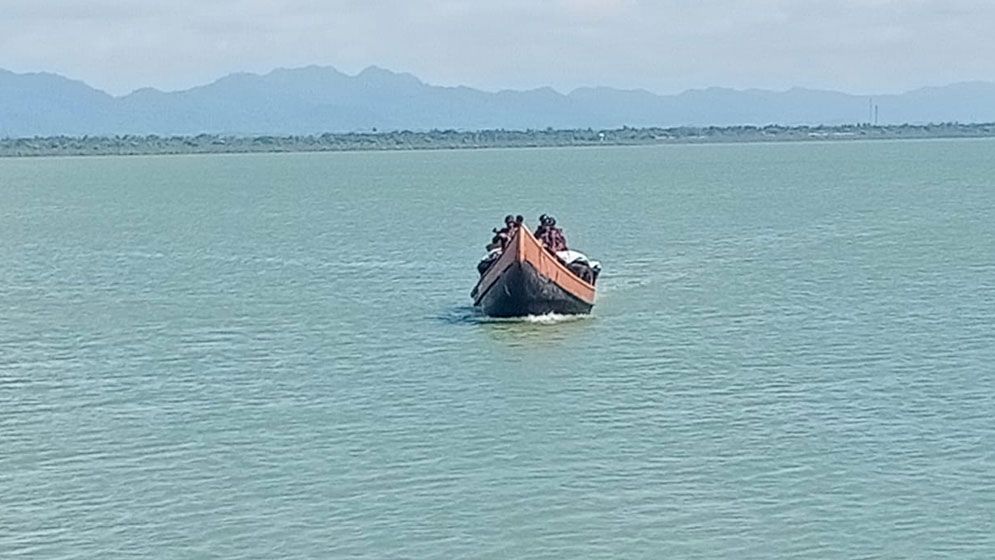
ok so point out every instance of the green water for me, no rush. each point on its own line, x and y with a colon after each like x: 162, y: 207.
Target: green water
x: 272, y: 356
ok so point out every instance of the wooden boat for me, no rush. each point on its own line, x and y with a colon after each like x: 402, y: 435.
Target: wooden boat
x: 529, y: 280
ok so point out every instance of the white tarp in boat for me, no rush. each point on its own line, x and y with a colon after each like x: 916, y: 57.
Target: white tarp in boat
x: 492, y: 254
x: 571, y: 257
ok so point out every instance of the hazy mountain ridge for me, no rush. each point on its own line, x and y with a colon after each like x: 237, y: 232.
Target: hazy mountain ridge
x: 318, y: 99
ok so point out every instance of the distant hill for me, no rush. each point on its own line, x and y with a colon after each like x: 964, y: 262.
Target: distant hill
x: 321, y: 99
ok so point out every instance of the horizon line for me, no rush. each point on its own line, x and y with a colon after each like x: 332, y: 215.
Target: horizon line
x: 375, y: 68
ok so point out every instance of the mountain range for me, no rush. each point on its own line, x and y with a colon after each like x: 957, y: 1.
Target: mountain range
x: 317, y: 99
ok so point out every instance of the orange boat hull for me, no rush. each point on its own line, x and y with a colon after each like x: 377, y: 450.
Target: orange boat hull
x: 529, y: 280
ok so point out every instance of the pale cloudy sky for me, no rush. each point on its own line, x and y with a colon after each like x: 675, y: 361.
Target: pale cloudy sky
x: 860, y: 46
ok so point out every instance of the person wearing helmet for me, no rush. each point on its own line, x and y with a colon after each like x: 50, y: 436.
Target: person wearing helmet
x: 542, y: 226
x: 509, y: 226
x: 503, y: 236
x: 551, y: 236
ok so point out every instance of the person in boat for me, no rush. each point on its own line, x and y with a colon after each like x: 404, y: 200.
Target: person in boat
x: 542, y: 226
x: 494, y: 250
x: 511, y: 226
x: 498, y: 243
x: 553, y: 239
x: 503, y: 235
x: 551, y: 236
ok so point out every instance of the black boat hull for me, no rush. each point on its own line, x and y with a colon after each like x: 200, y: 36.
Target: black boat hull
x: 522, y: 291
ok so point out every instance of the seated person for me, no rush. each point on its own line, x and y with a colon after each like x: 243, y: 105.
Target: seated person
x: 498, y: 242
x: 505, y: 234
x: 552, y: 236
x: 542, y: 226
x: 509, y: 225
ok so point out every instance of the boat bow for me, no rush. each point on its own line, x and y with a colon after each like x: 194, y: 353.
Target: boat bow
x: 527, y: 279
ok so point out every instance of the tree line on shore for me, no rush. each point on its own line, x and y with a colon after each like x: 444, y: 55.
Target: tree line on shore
x: 459, y: 139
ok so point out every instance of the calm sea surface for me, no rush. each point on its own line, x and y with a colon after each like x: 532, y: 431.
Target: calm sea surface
x: 273, y: 356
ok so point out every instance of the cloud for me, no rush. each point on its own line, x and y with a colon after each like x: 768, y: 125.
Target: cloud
x: 661, y: 45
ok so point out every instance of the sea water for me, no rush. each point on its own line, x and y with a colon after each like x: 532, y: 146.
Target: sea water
x: 274, y: 356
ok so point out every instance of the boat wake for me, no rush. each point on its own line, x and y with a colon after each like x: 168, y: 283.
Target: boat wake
x: 471, y: 315
x: 546, y: 319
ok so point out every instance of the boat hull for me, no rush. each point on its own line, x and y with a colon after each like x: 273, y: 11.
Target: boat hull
x: 529, y: 280
x: 522, y: 291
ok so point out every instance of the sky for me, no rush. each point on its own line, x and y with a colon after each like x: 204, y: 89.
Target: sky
x: 664, y: 46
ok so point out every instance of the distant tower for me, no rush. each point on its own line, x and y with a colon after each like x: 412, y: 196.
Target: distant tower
x: 870, y: 110
x: 875, y: 115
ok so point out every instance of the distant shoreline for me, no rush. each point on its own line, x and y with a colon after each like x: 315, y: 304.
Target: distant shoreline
x: 134, y: 145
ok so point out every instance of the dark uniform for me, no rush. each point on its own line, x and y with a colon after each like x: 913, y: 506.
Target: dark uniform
x: 552, y: 237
